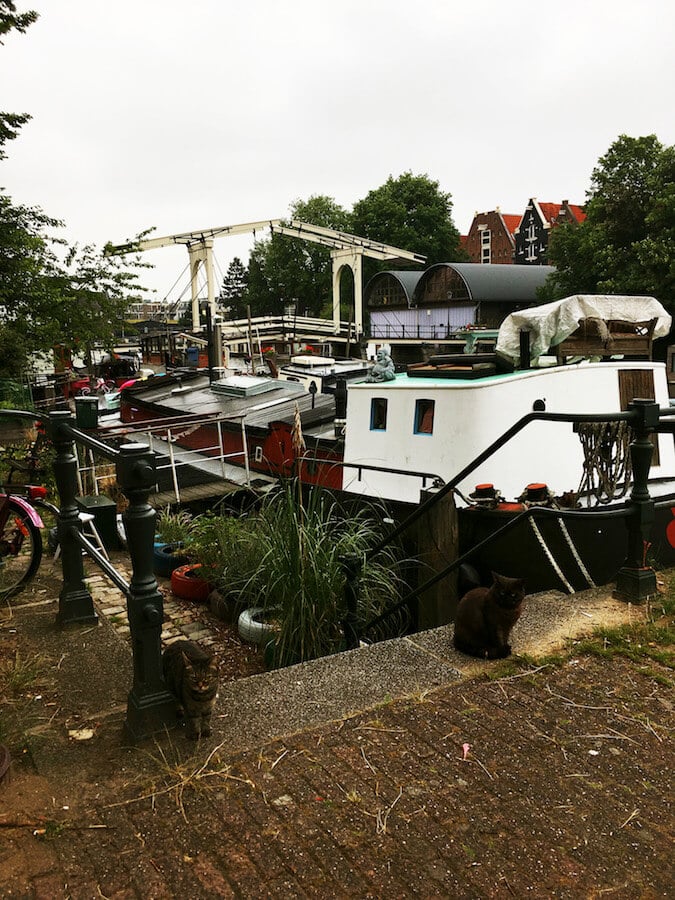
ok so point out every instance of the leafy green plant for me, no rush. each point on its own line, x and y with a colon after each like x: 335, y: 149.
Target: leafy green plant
x: 225, y: 546
x: 174, y: 527
x: 299, y: 579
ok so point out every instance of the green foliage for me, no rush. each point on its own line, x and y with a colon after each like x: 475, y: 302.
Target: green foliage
x: 299, y: 578
x: 410, y: 212
x: 233, y: 293
x: 174, y: 527
x: 227, y: 547
x: 285, y: 270
x: 45, y: 300
x: 625, y: 244
x: 10, y: 20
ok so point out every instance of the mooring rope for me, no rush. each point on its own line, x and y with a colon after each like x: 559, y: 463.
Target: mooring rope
x: 607, y: 463
x: 550, y: 557
x: 575, y: 554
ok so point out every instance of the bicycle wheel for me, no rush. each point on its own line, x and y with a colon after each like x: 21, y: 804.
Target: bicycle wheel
x: 20, y: 550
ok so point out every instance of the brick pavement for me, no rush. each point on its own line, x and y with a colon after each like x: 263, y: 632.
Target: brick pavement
x: 550, y: 783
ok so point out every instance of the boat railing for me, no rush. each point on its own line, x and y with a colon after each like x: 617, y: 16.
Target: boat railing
x: 174, y: 461
x: 644, y: 417
x: 428, y: 479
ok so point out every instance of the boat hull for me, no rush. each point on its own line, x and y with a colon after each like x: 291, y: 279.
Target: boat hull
x: 572, y: 556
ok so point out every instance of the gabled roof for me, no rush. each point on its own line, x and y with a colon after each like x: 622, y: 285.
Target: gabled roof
x: 511, y: 222
x: 577, y: 212
x: 549, y: 211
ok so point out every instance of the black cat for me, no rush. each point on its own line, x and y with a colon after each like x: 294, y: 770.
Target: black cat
x: 485, y: 617
x: 191, y: 674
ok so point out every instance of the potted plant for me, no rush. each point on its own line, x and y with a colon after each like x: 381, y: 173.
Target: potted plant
x: 299, y: 579
x: 225, y: 547
x: 171, y: 534
x: 188, y: 582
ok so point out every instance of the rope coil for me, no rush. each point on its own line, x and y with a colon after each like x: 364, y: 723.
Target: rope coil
x: 607, y: 462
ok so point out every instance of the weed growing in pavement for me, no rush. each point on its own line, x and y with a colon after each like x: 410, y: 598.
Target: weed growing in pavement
x: 17, y: 677
x: 174, y: 772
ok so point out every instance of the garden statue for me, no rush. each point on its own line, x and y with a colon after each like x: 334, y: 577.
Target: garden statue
x: 383, y: 368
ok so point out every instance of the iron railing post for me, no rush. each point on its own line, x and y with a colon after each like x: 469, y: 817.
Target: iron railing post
x: 636, y: 580
x: 150, y: 706
x: 351, y: 565
x: 75, y: 601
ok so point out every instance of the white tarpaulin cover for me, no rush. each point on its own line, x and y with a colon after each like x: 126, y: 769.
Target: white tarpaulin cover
x: 553, y: 322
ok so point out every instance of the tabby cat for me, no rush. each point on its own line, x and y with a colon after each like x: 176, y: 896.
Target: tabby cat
x: 191, y: 674
x: 485, y: 617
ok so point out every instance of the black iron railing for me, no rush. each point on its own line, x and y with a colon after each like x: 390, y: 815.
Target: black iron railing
x: 151, y: 707
x: 634, y: 580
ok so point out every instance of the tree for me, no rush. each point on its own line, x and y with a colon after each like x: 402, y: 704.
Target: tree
x: 232, y: 299
x: 624, y: 246
x: 50, y: 293
x: 10, y: 20
x: 285, y: 270
x: 410, y: 212
x: 46, y: 299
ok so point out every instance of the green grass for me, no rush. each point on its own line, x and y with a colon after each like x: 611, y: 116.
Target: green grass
x: 648, y: 640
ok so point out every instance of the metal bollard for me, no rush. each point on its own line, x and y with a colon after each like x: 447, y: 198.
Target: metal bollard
x: 636, y: 580
x: 75, y: 602
x: 150, y: 706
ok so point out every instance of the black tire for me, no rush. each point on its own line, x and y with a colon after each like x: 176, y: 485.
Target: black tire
x: 20, y: 549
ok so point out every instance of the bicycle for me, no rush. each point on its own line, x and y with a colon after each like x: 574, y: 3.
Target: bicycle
x: 21, y: 543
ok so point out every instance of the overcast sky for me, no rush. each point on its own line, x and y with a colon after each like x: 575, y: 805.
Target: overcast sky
x: 181, y: 116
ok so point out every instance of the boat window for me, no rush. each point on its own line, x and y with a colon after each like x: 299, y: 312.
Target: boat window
x: 258, y: 453
x: 378, y: 414
x: 424, y: 416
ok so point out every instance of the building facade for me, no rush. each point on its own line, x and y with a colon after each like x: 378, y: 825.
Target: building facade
x: 491, y: 238
x: 532, y: 234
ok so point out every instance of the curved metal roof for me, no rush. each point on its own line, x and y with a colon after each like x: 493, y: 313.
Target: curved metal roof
x: 497, y: 282
x: 406, y: 278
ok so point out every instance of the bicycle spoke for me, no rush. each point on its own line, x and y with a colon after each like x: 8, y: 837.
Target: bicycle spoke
x: 20, y: 550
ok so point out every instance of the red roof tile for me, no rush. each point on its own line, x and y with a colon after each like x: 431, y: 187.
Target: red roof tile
x: 511, y: 222
x: 551, y: 211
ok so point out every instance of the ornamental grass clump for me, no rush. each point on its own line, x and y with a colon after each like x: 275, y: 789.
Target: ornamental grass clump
x: 226, y: 547
x: 174, y: 527
x: 299, y: 579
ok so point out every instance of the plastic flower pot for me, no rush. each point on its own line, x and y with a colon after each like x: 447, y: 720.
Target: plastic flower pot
x: 187, y: 583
